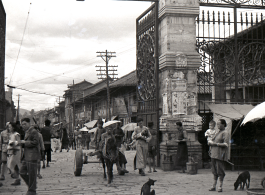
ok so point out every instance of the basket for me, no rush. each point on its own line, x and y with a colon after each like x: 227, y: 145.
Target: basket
x: 255, y: 191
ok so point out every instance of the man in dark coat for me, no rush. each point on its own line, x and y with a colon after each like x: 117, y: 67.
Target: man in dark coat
x: 46, y: 135
x: 119, y: 134
x: 87, y: 140
x: 28, y: 170
x: 20, y: 130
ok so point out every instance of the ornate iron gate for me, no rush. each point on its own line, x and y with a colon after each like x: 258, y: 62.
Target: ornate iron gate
x: 230, y: 41
x: 147, y: 69
x: 146, y: 65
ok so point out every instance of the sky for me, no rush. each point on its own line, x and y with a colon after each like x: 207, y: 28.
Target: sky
x: 51, y: 43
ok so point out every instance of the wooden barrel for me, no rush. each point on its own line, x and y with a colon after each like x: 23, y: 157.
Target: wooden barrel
x: 192, y: 168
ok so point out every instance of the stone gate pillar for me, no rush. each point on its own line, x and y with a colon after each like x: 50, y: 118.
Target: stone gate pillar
x: 178, y: 61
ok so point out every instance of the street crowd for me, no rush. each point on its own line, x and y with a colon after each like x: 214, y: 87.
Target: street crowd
x: 23, y: 148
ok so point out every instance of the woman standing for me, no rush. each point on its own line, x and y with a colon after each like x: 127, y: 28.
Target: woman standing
x: 182, y: 153
x: 14, y: 153
x: 219, y: 153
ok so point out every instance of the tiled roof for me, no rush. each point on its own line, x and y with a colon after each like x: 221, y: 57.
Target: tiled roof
x: 127, y: 80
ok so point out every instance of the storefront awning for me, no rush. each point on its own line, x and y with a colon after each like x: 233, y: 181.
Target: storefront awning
x: 91, y: 124
x: 232, y: 111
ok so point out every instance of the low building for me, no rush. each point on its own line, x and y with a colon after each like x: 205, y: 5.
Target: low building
x: 123, y: 105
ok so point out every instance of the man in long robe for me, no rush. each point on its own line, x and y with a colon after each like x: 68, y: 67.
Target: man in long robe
x: 142, y: 136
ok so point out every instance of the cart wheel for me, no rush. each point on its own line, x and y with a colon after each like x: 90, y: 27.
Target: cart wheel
x: 78, y: 162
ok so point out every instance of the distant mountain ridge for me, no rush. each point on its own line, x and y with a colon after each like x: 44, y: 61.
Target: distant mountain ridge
x: 22, y: 111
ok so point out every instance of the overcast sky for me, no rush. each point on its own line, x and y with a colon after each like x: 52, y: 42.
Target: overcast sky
x: 60, y: 43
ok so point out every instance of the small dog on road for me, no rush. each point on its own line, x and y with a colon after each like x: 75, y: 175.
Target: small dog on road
x: 146, y: 189
x: 242, y: 178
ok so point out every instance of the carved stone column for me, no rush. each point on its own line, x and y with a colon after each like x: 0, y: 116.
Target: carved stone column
x: 178, y: 63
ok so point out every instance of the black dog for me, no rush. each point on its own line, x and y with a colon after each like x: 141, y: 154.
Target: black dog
x: 146, y: 188
x: 242, y: 178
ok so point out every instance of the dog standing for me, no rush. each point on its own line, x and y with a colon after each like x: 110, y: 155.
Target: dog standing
x: 243, y: 178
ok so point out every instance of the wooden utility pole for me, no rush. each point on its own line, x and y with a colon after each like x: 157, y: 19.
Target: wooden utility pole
x: 106, y: 56
x: 18, y: 106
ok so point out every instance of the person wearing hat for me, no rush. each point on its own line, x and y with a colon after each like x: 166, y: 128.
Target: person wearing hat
x: 142, y: 136
x: 4, y: 139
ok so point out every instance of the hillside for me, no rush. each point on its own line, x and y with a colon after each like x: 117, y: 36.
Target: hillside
x: 22, y: 111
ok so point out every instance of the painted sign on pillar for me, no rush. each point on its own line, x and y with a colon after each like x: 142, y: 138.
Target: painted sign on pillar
x: 179, y: 103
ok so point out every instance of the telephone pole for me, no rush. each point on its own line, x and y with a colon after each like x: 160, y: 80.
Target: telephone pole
x: 18, y: 106
x: 106, y: 56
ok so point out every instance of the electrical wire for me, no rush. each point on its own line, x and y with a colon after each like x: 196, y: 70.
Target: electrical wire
x: 43, y: 71
x: 75, y: 69
x: 20, y: 45
x: 41, y: 93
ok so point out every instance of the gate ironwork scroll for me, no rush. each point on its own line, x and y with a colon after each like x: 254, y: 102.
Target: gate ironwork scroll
x: 231, y: 44
x: 146, y: 69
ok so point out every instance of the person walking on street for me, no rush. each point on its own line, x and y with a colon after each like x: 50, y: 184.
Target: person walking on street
x: 119, y: 134
x: 65, y: 141
x: 71, y: 141
x: 100, y: 130
x: 76, y: 137
x: 83, y: 139
x: 219, y: 154
x: 14, y: 153
x: 142, y: 136
x: 46, y: 135
x: 41, y: 150
x: 87, y: 140
x: 152, y: 147
x: 182, y: 153
x: 4, y: 138
x: 28, y: 170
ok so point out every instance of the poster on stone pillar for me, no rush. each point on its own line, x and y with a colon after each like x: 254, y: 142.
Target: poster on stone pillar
x: 228, y: 129
x: 179, y: 103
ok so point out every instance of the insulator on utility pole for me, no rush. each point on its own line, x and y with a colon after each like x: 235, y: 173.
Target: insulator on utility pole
x: 106, y: 56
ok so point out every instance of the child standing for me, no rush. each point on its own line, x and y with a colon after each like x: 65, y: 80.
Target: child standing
x: 210, y: 133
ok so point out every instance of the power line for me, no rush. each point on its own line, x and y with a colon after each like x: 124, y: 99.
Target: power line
x: 20, y: 45
x: 55, y: 75
x: 75, y: 69
x: 41, y: 93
